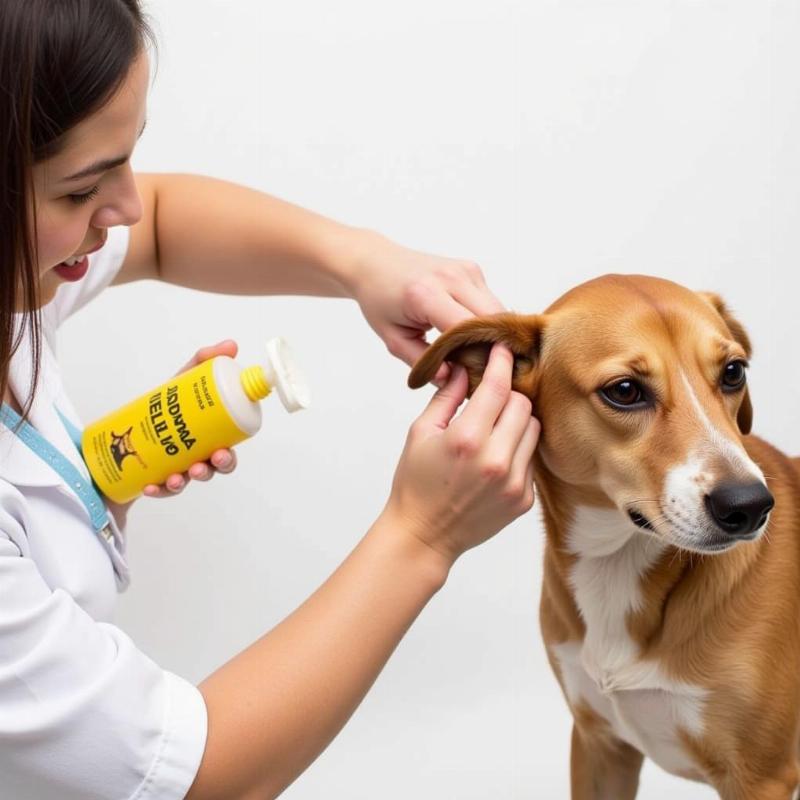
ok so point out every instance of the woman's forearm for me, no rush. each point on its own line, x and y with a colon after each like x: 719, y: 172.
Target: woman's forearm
x: 275, y: 707
x: 218, y: 236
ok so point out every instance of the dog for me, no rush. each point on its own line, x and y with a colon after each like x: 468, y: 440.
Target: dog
x: 670, y: 605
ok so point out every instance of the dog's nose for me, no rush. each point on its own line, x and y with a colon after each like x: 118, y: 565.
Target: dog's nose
x: 740, y: 508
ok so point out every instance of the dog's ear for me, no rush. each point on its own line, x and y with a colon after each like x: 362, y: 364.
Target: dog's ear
x: 744, y: 417
x: 470, y: 342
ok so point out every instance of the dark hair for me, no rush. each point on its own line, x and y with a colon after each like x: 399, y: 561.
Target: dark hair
x: 60, y: 61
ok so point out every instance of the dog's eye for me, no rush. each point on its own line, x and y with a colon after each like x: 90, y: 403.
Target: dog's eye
x: 734, y: 375
x: 624, y: 393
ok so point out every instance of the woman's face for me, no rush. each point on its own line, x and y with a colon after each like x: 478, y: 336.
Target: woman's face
x: 89, y: 187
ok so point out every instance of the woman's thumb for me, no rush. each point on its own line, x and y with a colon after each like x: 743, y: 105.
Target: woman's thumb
x: 445, y: 402
x: 227, y: 347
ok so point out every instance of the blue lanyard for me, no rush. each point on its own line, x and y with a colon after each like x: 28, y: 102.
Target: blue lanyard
x: 86, y: 490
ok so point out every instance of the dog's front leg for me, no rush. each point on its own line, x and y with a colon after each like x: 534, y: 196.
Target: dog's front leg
x: 603, y: 767
x: 782, y: 788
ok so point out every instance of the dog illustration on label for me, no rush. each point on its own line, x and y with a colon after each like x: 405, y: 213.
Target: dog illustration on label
x: 122, y: 446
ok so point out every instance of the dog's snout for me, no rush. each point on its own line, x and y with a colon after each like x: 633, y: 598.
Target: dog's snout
x: 740, y: 508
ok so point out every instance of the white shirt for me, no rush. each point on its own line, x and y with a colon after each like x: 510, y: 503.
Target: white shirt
x: 84, y: 714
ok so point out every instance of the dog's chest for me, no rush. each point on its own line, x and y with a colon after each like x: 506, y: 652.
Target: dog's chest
x: 642, y: 705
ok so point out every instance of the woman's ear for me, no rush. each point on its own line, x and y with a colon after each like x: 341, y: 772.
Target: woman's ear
x: 744, y: 417
x: 470, y: 342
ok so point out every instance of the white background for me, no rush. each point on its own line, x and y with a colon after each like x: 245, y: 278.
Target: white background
x: 550, y: 142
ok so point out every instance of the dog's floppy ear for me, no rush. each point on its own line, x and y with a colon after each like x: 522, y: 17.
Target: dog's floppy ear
x: 470, y: 342
x: 744, y: 418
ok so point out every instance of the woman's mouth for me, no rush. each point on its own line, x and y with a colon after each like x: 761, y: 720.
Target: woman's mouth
x: 75, y: 267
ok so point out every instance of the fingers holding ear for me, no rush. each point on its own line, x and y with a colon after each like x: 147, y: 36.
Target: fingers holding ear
x: 491, y: 396
x: 469, y: 343
x: 410, y: 346
x: 446, y: 401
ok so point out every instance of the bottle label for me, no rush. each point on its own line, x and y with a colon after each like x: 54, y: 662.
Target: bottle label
x: 163, y: 432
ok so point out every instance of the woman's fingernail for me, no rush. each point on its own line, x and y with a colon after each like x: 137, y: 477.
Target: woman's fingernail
x: 223, y: 461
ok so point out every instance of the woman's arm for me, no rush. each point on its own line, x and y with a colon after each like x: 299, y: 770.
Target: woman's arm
x: 217, y: 236
x: 278, y: 704
x: 274, y: 707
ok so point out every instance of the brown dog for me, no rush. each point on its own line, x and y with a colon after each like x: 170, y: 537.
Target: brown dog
x: 670, y: 604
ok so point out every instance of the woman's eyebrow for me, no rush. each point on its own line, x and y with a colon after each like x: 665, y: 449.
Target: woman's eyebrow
x: 101, y: 166
x: 96, y: 168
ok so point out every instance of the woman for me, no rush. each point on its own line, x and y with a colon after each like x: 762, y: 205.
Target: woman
x: 83, y: 713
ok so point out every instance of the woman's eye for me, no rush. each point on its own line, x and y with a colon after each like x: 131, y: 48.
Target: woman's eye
x: 86, y: 197
x: 734, y: 375
x: 624, y: 393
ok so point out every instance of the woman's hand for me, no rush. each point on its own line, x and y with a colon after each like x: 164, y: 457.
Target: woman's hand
x: 460, y: 481
x: 404, y: 293
x: 223, y: 460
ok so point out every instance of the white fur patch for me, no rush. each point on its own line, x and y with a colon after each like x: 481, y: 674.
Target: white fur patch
x: 643, y: 706
x: 685, y: 486
x: 682, y: 503
x: 732, y: 451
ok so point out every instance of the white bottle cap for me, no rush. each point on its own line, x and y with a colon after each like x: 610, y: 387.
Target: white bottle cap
x: 282, y: 374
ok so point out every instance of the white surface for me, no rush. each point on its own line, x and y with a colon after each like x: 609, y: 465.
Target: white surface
x: 550, y: 142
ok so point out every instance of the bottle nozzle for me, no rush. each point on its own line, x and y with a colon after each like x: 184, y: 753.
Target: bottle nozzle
x: 254, y: 383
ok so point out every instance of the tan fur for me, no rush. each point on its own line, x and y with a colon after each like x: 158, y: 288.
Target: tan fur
x: 730, y: 622
x: 601, y: 767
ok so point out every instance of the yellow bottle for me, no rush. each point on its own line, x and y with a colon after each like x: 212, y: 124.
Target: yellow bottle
x: 183, y: 421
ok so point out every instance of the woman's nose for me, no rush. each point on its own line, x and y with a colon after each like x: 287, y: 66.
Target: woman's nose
x: 124, y: 207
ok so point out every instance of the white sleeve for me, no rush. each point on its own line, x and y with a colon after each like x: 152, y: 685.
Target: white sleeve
x: 103, y: 268
x: 84, y: 714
